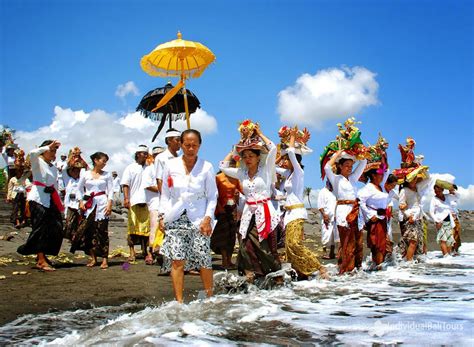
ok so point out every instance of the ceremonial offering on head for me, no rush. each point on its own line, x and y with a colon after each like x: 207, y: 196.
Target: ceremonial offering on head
x: 301, y: 139
x: 348, y: 140
x: 377, y: 158
x: 248, y: 139
x: 445, y: 185
x: 411, y: 166
x: 75, y: 160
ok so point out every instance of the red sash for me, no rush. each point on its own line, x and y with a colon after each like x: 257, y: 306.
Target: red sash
x: 268, y: 218
x: 54, y: 195
x: 89, y: 201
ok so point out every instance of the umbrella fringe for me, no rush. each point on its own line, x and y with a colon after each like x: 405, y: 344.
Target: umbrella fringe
x: 158, y: 116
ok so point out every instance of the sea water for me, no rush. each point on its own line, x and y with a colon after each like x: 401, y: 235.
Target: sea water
x: 423, y: 303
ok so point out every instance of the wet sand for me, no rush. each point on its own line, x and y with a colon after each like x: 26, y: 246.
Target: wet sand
x: 75, y: 286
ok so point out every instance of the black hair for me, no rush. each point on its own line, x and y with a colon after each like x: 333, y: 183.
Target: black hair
x: 98, y: 155
x: 299, y: 158
x: 370, y: 174
x: 46, y: 143
x: 191, y: 131
x: 392, y: 179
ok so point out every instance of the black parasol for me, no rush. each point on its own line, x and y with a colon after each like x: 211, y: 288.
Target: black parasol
x: 172, y: 110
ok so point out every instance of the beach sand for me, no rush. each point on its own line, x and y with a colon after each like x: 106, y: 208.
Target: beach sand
x: 75, y: 286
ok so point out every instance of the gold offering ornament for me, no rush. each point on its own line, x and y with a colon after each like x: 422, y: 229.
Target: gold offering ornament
x: 177, y: 58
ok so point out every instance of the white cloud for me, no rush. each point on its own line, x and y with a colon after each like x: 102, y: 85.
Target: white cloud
x: 105, y: 132
x: 329, y: 94
x: 125, y: 89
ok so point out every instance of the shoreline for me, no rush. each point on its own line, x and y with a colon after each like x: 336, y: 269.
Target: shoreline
x: 75, y: 286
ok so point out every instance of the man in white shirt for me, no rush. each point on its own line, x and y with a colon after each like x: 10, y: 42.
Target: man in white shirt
x: 134, y: 199
x: 150, y: 184
x: 327, y: 207
x: 173, y: 141
x: 117, y: 188
x: 8, y: 154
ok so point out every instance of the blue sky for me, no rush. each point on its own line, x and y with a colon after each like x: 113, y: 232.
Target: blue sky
x: 74, y: 54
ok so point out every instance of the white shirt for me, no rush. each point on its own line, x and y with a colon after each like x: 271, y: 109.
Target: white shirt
x: 44, y: 173
x: 89, y: 185
x: 196, y: 193
x: 116, y: 184
x: 371, y: 199
x: 258, y: 188
x: 132, y: 177
x: 71, y: 186
x: 440, y: 209
x: 160, y: 162
x: 9, y: 161
x: 149, y: 180
x: 344, y: 189
x: 18, y: 186
x: 327, y: 201
x: 294, y: 188
x: 412, y: 200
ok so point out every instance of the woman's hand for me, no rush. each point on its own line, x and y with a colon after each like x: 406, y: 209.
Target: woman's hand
x: 373, y: 219
x: 82, y: 207
x: 438, y: 225
x: 126, y: 203
x: 108, y: 208
x: 161, y: 224
x: 411, y: 220
x: 205, y: 226
x: 54, y: 145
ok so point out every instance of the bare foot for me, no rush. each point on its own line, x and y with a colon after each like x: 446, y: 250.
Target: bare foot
x: 104, y: 265
x: 91, y: 263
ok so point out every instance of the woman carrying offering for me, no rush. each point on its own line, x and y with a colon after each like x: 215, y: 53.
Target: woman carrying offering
x: 443, y: 216
x: 257, y: 250
x: 188, y: 202
x: 303, y: 260
x: 45, y: 207
x: 96, y: 194
x: 347, y: 209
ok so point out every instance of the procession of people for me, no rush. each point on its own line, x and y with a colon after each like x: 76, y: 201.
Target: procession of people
x: 179, y: 209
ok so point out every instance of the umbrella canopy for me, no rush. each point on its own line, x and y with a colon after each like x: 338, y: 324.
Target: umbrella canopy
x: 173, y: 108
x: 178, y: 58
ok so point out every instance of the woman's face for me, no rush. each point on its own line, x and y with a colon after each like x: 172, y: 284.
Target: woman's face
x: 50, y: 155
x: 346, y: 167
x: 100, y: 163
x: 412, y: 184
x: 438, y: 190
x: 190, y: 145
x: 250, y: 159
x: 286, y: 163
x: 376, y: 178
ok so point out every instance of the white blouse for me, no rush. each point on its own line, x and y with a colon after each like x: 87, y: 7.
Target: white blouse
x: 327, y: 202
x: 440, y: 209
x: 294, y: 188
x: 371, y: 199
x: 89, y: 185
x: 133, y: 177
x: 71, y: 198
x: 44, y: 173
x: 345, y: 189
x: 195, y: 193
x: 257, y: 192
x: 412, y: 200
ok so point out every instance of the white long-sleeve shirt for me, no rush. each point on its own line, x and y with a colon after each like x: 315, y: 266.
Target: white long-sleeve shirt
x: 294, y: 188
x: 71, y: 185
x: 259, y: 188
x: 370, y: 199
x: 412, y: 200
x: 89, y: 185
x: 327, y: 202
x: 42, y: 172
x: 196, y: 193
x: 345, y: 189
x: 440, y: 209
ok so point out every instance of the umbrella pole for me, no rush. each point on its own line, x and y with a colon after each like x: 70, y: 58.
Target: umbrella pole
x: 188, y: 123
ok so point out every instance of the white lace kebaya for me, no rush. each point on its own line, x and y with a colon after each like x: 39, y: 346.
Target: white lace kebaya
x: 257, y: 192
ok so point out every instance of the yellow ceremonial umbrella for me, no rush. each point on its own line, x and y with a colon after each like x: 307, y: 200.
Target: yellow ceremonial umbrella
x: 177, y: 58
